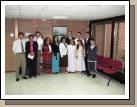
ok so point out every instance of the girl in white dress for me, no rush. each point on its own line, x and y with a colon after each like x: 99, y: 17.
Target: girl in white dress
x: 80, y: 54
x: 71, y: 56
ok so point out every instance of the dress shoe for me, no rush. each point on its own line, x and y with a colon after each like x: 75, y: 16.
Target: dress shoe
x: 35, y: 76
x: 30, y: 76
x: 88, y: 75
x: 38, y: 74
x: 94, y: 76
x: 25, y: 77
x: 85, y: 73
x: 17, y: 79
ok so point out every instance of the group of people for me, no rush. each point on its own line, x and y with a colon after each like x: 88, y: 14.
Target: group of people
x: 71, y: 54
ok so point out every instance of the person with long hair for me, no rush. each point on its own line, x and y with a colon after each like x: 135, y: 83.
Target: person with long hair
x: 71, y: 56
x: 80, y: 54
x: 47, y: 55
x: 63, y: 55
x: 55, y: 55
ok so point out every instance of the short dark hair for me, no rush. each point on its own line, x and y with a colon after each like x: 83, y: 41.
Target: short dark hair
x: 31, y: 35
x: 79, y: 32
x: 92, y: 39
x: 21, y: 33
x: 37, y: 32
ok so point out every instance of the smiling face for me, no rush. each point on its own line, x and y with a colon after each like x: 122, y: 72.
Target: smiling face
x: 31, y: 38
x: 38, y: 35
x: 48, y: 41
x: 63, y: 40
x: 86, y: 35
x: 56, y: 39
x: 21, y: 36
x: 72, y: 42
x: 92, y: 42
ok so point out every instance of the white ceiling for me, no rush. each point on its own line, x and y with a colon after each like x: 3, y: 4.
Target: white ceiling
x: 72, y: 12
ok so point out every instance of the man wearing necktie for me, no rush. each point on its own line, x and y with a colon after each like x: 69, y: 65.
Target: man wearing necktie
x: 87, y: 37
x: 19, y: 51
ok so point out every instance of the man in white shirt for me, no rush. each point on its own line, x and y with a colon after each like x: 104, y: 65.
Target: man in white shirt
x: 70, y: 35
x: 19, y: 51
x: 38, y: 38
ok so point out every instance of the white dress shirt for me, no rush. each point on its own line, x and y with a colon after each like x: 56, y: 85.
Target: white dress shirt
x: 17, y: 45
x: 50, y: 50
x: 40, y: 43
x: 62, y: 49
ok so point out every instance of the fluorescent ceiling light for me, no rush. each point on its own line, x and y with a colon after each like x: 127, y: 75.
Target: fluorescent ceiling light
x: 59, y: 17
x: 43, y: 19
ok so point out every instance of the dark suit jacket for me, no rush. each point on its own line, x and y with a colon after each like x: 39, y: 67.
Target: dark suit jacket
x: 35, y: 48
x: 92, y: 53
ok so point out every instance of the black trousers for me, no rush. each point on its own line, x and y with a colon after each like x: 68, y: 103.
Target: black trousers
x: 86, y: 64
x: 31, y: 67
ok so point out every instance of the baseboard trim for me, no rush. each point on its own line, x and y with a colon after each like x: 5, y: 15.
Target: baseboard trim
x: 8, y: 71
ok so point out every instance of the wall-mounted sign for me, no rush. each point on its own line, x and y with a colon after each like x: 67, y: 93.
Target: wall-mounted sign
x: 35, y: 23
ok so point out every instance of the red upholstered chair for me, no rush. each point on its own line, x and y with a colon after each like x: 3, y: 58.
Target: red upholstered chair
x: 114, y: 67
x: 108, y: 66
x: 100, y: 62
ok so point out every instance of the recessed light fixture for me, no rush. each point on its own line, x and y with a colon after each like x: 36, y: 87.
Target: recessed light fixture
x: 59, y: 17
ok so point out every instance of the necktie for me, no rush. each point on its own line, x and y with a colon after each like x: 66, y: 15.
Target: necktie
x: 22, y: 46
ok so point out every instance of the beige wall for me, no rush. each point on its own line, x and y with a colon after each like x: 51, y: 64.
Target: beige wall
x: 9, y: 56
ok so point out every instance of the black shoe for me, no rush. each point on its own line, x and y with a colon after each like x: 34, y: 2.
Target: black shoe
x: 25, y: 77
x: 88, y: 75
x: 85, y: 72
x: 35, y: 76
x: 38, y: 74
x: 94, y: 76
x: 17, y: 79
x: 30, y: 76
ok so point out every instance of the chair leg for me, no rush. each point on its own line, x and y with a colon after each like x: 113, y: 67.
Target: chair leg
x: 109, y: 81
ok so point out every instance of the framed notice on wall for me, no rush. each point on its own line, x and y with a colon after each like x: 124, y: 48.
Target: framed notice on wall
x: 59, y: 31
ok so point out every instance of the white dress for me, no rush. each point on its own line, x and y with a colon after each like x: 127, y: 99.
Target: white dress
x: 78, y: 39
x: 80, y: 62
x: 71, y: 58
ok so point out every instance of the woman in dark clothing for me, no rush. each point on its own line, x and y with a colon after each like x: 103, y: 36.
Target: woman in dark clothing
x: 55, y: 55
x: 31, y: 54
x: 91, y: 58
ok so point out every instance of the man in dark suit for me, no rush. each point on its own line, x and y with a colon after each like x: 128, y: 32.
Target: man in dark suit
x: 87, y: 37
x: 31, y: 54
